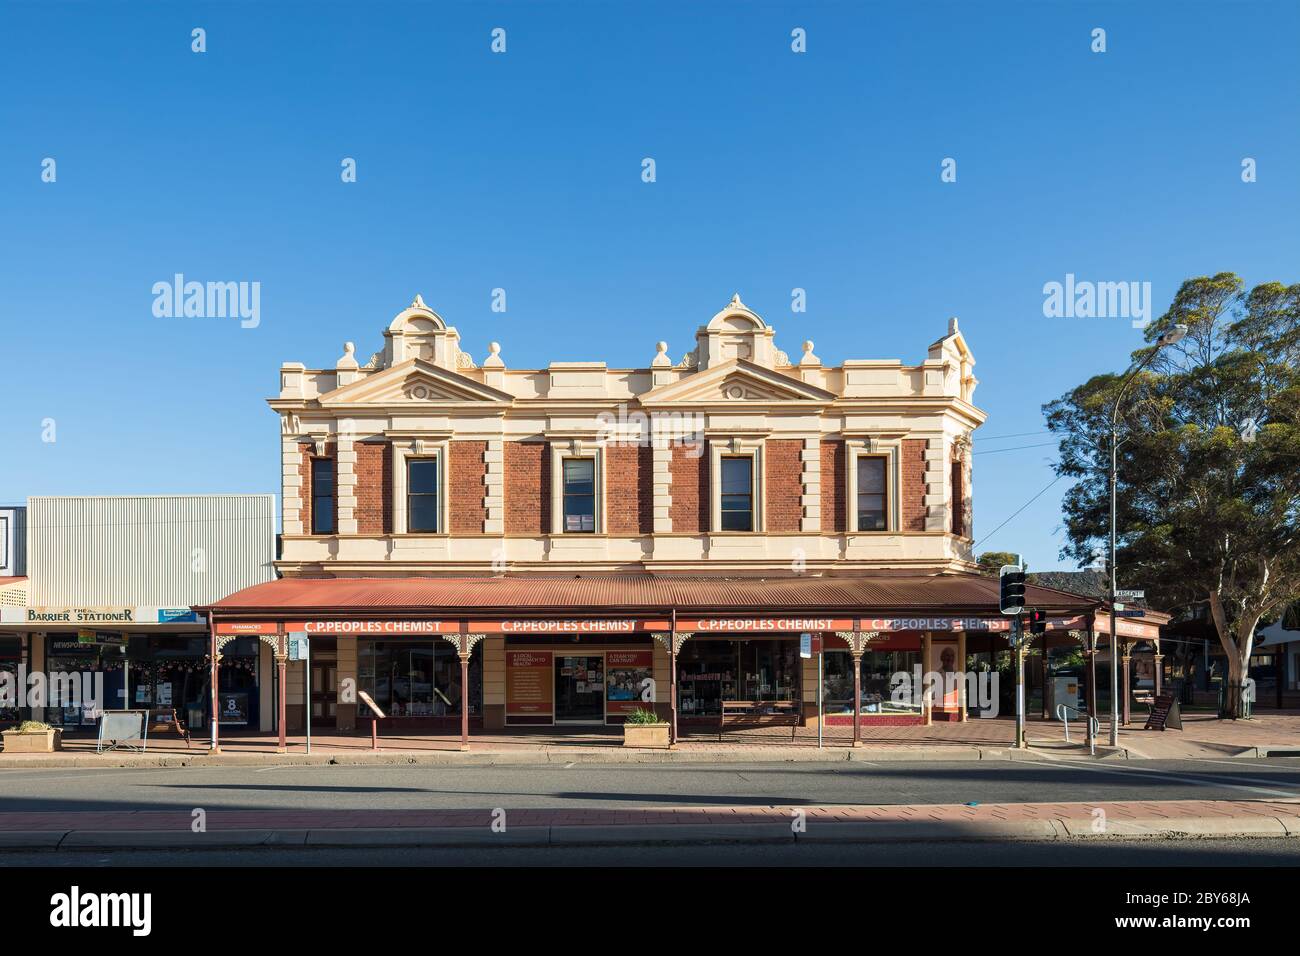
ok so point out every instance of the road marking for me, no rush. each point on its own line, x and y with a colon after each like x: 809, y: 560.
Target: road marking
x: 1197, y: 780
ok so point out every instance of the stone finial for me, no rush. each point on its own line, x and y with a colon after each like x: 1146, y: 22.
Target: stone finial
x: 348, y: 359
x: 808, y: 357
x: 494, y: 356
x: 418, y: 303
x: 661, y: 359
x: 952, y: 325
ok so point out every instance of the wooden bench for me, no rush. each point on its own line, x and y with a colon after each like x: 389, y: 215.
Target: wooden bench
x: 167, y: 718
x: 748, y: 713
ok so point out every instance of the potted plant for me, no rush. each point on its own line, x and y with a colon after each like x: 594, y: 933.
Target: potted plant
x: 644, y: 728
x: 33, y: 737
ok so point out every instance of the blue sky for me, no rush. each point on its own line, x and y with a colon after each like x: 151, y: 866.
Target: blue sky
x: 522, y: 171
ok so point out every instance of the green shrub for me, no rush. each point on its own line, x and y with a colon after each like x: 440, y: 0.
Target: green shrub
x: 643, y: 715
x: 32, y: 727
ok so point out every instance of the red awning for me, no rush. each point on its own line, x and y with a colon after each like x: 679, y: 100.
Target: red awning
x: 636, y: 593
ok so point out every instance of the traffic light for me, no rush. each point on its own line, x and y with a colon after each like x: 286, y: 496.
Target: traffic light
x: 1037, y: 621
x: 1011, y: 598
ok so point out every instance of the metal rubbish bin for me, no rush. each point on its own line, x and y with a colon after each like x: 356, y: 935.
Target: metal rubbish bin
x: 1223, y: 696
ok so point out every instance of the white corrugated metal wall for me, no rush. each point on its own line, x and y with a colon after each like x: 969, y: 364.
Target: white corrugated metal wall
x: 165, y: 550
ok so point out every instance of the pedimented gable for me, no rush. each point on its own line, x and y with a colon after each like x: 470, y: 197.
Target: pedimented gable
x: 415, y: 382
x: 737, y: 381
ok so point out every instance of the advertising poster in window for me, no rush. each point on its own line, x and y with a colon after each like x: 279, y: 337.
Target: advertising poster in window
x: 943, y: 661
x: 530, y: 689
x: 625, y: 673
x: 234, y: 708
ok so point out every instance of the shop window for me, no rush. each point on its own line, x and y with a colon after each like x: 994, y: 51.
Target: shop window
x: 579, y: 491
x: 422, y: 495
x: 737, y: 511
x: 878, y: 673
x: 322, y: 496
x: 417, y: 679
x: 872, y: 501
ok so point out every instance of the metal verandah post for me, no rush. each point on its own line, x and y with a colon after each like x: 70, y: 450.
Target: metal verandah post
x: 857, y: 697
x: 672, y: 673
x: 215, y: 744
x: 282, y: 691
x: 464, y: 692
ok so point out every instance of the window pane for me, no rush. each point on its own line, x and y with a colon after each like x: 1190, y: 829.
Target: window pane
x: 423, y: 513
x: 579, y: 476
x: 322, y: 515
x: 871, y: 476
x: 322, y: 476
x: 871, y: 512
x: 736, y: 476
x: 422, y: 476
x: 737, y: 521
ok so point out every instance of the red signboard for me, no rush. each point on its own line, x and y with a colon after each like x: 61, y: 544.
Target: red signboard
x: 762, y: 625
x: 247, y: 627
x: 530, y: 684
x: 546, y: 626
x: 386, y: 628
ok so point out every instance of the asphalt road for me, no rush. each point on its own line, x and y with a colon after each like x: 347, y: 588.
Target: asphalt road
x: 645, y: 785
x: 1111, y: 853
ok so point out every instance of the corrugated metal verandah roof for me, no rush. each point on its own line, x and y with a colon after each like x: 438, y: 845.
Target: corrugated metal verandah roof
x: 636, y: 592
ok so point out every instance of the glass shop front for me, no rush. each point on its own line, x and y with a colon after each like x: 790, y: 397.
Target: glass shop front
x: 418, y: 680
x: 761, y: 676
x: 158, y: 673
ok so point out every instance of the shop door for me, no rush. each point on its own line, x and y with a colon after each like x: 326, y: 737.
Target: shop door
x: 324, y: 690
x: 579, y: 690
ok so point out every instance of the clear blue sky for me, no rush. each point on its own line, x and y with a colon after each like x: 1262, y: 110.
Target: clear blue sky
x: 522, y: 171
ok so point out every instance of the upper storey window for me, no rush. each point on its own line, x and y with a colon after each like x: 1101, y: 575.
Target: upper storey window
x: 322, y: 496
x: 738, y: 493
x: 422, y: 495
x: 873, y: 495
x: 580, y: 495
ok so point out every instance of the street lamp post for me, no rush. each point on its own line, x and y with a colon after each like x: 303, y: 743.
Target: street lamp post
x: 1169, y: 338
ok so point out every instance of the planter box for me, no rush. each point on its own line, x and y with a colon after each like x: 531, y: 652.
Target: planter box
x: 33, y: 742
x: 646, y: 735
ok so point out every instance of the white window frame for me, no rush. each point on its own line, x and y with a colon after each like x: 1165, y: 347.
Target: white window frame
x: 417, y: 448
x: 576, y: 448
x: 891, y: 450
x: 736, y: 448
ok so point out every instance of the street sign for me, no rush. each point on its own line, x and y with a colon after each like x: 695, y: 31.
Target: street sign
x: 298, y: 647
x: 805, y: 646
x: 1131, y: 595
x: 1131, y: 612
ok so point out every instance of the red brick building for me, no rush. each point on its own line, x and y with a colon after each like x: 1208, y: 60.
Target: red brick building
x: 476, y: 544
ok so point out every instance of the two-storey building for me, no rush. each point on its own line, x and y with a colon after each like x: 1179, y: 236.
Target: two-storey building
x: 491, y: 546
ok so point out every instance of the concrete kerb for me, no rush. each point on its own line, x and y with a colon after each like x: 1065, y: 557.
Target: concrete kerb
x: 885, y: 831
x: 541, y: 756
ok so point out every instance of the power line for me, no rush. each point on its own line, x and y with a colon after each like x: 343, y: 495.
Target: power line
x: 1018, y: 510
x: 994, y: 451
x: 979, y: 437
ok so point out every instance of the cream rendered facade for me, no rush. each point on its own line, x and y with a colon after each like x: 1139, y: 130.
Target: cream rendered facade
x: 734, y: 393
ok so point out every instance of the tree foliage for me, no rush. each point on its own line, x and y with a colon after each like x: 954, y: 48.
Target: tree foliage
x: 1208, y: 489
